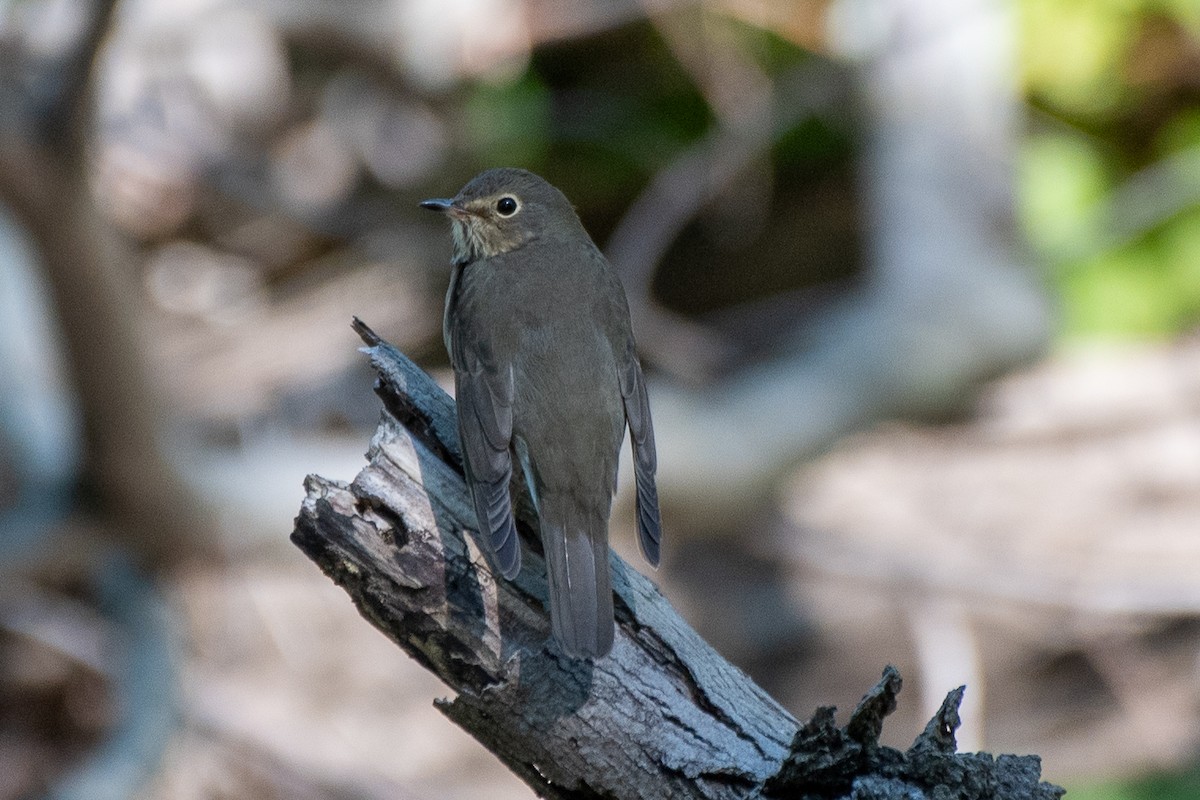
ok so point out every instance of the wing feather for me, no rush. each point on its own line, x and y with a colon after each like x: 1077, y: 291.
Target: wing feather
x: 645, y: 458
x: 485, y: 398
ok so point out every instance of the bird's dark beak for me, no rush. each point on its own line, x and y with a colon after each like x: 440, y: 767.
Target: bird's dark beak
x: 438, y: 204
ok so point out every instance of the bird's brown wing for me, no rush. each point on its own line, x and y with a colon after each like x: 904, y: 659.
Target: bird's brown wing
x: 484, y: 394
x: 645, y: 460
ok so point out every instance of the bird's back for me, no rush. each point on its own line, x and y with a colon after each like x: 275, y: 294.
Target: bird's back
x: 567, y: 382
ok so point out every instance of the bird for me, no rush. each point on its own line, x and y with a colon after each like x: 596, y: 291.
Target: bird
x: 547, y: 380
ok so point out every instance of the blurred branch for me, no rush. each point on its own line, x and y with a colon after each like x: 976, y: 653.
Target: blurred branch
x: 153, y: 515
x: 90, y: 273
x: 663, y: 716
x: 947, y: 302
x: 677, y: 193
x: 65, y: 118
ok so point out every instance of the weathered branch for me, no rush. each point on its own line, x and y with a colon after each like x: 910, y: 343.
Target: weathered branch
x: 662, y: 716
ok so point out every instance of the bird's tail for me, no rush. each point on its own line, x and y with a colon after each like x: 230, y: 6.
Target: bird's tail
x: 575, y: 541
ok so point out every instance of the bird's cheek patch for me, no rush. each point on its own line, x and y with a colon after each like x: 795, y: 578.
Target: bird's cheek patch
x: 490, y: 239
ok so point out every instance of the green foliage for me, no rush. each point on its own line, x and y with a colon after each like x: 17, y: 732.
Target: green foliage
x: 1114, y: 82
x: 1161, y: 786
x: 773, y: 53
x: 1062, y: 178
x: 618, y: 108
x: 509, y: 123
x: 813, y: 145
x: 1074, y: 51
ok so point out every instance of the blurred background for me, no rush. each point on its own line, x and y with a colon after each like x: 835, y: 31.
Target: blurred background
x: 916, y: 282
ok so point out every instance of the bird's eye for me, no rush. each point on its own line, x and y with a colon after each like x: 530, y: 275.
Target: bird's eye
x: 506, y: 206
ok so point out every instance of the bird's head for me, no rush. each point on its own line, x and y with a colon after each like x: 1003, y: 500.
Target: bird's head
x: 503, y: 209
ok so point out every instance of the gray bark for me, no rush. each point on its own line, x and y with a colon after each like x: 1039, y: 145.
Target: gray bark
x: 663, y: 716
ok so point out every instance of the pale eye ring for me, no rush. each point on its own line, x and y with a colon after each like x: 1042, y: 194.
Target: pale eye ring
x: 506, y: 206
